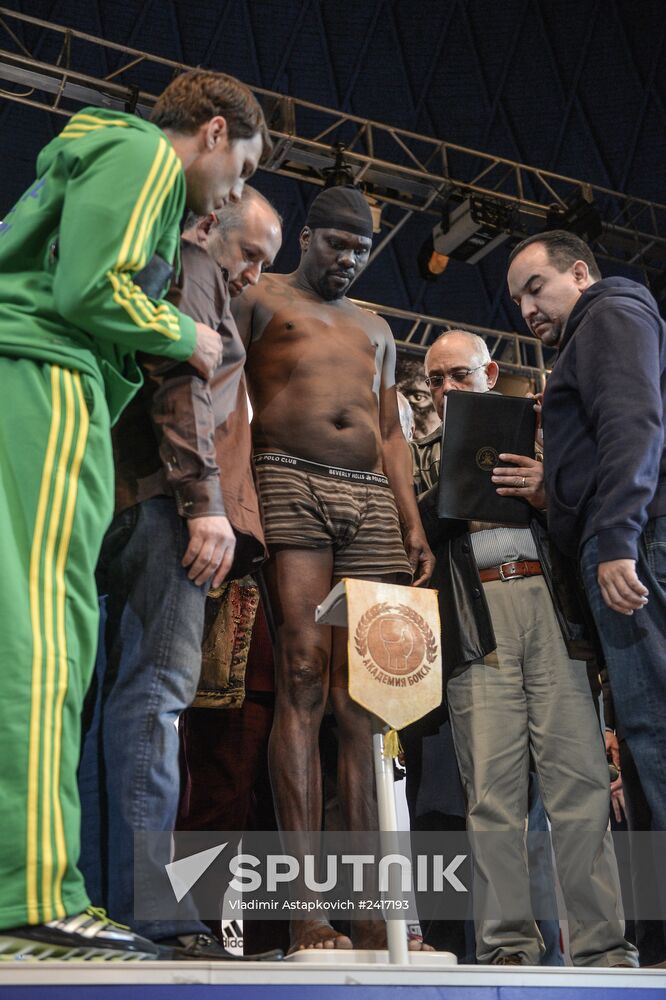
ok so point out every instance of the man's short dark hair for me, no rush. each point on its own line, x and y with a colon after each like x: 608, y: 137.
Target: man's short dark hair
x: 563, y: 250
x: 198, y: 95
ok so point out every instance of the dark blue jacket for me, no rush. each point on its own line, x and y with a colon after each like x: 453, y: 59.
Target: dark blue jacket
x: 603, y: 417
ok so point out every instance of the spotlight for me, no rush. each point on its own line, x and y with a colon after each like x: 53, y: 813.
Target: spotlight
x: 581, y: 216
x: 468, y: 232
x: 430, y: 263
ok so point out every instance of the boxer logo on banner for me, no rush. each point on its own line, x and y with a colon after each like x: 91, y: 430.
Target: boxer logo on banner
x: 395, y: 661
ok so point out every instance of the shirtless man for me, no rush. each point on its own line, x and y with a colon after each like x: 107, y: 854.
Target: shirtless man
x: 335, y: 483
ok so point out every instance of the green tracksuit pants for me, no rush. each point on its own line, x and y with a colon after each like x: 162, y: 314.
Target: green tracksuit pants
x: 56, y: 498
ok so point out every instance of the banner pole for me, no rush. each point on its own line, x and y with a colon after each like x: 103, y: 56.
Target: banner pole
x: 396, y: 930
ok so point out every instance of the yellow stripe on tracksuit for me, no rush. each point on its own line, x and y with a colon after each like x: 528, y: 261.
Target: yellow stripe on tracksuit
x: 61, y: 594
x: 132, y: 255
x: 123, y: 284
x: 68, y: 435
x: 83, y: 128
x: 166, y: 181
x: 37, y: 655
x: 154, y: 178
x: 161, y: 177
x: 131, y: 298
x: 83, y: 124
x: 96, y: 121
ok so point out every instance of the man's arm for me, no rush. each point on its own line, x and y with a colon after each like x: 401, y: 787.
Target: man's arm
x: 184, y: 421
x: 398, y: 468
x: 183, y: 415
x: 618, y: 370
x: 109, y: 231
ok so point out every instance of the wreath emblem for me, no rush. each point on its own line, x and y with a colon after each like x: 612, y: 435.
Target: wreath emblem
x: 487, y: 458
x: 394, y: 638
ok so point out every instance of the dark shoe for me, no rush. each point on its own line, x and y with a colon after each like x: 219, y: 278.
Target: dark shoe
x: 90, y: 935
x: 206, y: 948
x: 507, y: 960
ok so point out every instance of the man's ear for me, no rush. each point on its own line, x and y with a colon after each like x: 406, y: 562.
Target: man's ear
x: 203, y: 227
x: 492, y: 373
x: 305, y: 238
x: 581, y: 273
x: 213, y: 131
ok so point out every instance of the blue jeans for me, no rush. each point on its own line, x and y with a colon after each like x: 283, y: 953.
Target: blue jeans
x: 635, y: 651
x: 147, y: 673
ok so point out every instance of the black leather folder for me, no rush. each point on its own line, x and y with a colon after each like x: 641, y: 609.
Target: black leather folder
x: 477, y: 428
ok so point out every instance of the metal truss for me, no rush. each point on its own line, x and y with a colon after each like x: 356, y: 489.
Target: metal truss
x: 416, y: 173
x: 411, y: 172
x: 514, y: 352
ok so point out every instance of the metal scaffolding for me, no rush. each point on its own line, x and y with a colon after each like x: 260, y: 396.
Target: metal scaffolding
x: 515, y: 353
x: 415, y: 173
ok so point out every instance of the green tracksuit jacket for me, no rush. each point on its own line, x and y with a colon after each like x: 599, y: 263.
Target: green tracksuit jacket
x: 109, y: 194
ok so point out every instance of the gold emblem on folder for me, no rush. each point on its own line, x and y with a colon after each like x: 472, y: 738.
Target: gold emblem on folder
x: 487, y: 458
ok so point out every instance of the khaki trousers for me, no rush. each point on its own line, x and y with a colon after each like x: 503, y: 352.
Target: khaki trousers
x: 525, y: 695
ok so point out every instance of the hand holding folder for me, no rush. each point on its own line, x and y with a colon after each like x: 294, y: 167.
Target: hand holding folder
x: 477, y: 428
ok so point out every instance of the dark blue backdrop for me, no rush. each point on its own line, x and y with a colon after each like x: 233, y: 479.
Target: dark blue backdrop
x: 574, y: 86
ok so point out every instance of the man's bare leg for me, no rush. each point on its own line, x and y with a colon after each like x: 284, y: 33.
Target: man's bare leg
x: 297, y: 580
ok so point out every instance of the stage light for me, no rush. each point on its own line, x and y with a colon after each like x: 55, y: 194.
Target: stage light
x: 430, y: 263
x: 580, y: 216
x: 467, y: 232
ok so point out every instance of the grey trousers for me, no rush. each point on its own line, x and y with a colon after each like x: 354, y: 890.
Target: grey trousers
x: 529, y: 694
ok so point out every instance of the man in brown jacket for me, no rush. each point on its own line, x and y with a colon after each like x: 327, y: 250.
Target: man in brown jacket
x: 186, y: 517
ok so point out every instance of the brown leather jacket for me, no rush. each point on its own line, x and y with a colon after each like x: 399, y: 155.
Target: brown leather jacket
x: 190, y: 439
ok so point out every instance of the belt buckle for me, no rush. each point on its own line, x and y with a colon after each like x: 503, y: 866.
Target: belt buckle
x: 502, y: 577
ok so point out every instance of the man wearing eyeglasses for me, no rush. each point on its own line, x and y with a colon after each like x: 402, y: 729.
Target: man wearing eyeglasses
x: 516, y: 684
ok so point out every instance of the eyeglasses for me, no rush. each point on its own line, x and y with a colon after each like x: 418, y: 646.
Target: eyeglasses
x: 458, y: 375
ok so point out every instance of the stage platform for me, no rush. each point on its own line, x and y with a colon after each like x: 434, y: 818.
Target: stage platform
x: 318, y: 981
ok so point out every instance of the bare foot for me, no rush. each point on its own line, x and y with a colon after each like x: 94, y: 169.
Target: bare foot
x: 315, y: 934
x: 418, y: 944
